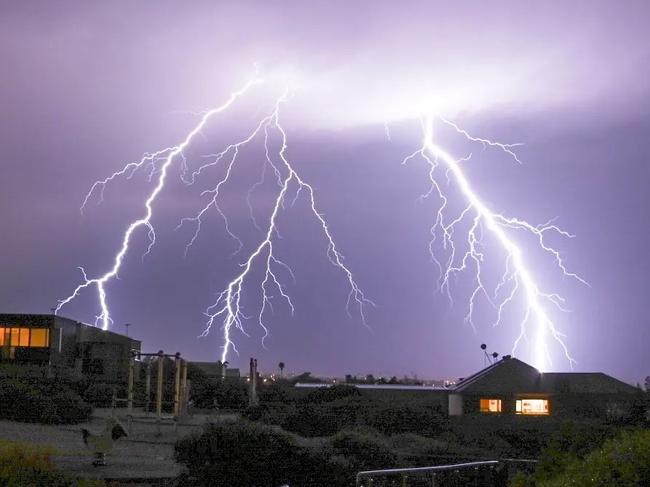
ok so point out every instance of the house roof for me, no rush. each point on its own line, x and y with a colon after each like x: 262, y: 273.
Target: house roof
x: 584, y: 382
x: 87, y: 332
x: 507, y: 375
x: 386, y: 387
x: 511, y: 376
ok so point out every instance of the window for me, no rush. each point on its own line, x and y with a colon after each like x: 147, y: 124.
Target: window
x: 25, y: 337
x: 490, y: 405
x: 40, y: 337
x: 532, y: 406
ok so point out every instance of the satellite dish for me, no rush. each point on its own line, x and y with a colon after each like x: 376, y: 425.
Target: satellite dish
x: 495, y: 355
x: 483, y: 346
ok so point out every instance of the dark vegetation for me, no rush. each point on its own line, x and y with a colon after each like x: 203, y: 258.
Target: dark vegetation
x: 324, y: 436
x: 41, y: 401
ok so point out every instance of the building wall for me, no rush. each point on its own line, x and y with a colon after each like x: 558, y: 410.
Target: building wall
x: 75, y: 349
x: 455, y: 404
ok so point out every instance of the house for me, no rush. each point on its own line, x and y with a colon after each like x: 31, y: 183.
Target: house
x: 57, y: 346
x: 511, y: 386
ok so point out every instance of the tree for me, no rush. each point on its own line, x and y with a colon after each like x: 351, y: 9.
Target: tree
x: 281, y: 367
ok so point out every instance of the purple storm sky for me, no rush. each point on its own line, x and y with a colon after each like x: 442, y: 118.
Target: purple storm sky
x: 87, y: 86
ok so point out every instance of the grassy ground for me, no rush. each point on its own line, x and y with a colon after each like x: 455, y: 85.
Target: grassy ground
x: 144, y: 454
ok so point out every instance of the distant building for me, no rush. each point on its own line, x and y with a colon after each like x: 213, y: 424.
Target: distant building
x: 511, y: 386
x: 58, y: 346
x: 215, y: 370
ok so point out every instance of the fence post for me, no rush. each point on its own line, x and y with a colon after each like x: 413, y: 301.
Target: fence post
x: 159, y: 389
x: 147, y: 387
x: 177, y: 384
x: 130, y: 390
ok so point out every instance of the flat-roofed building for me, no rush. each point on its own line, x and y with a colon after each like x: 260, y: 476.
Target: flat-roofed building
x: 60, y: 346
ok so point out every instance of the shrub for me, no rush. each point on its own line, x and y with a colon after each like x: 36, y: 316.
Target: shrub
x: 623, y: 461
x: 99, y: 394
x: 44, y: 402
x: 247, y: 454
x: 239, y: 454
x: 572, y: 442
x: 390, y: 420
x: 365, y: 450
x: 329, y: 394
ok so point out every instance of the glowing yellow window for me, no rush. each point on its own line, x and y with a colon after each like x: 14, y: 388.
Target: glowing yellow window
x: 490, y: 405
x: 23, y: 340
x: 14, y: 337
x: 532, y: 406
x: 2, y: 336
x: 39, y: 338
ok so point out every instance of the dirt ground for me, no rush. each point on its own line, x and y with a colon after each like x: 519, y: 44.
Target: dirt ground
x: 146, y: 454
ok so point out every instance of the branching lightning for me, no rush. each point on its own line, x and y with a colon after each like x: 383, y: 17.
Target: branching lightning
x: 228, y: 307
x: 459, y: 234
x: 517, y: 279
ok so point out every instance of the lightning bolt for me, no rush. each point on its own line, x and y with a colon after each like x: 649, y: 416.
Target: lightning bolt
x: 517, y: 279
x: 228, y: 305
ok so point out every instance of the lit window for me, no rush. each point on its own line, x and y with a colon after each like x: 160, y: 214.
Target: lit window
x: 14, y: 337
x: 532, y: 406
x: 39, y: 338
x: 23, y: 340
x: 25, y: 337
x: 490, y: 405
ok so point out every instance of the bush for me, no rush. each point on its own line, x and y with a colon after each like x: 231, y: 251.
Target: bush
x: 623, y: 461
x: 329, y: 394
x: 247, y: 454
x: 326, y: 413
x: 99, y: 395
x: 572, y: 442
x: 41, y: 402
x: 365, y: 450
x: 239, y: 454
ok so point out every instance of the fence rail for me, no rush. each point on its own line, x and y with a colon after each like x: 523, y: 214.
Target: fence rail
x: 481, y: 473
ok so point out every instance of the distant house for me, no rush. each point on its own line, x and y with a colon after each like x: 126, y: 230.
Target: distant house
x: 511, y: 386
x: 59, y: 346
x: 215, y: 370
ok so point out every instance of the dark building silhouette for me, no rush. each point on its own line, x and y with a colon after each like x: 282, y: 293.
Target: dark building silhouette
x: 511, y: 386
x: 57, y: 346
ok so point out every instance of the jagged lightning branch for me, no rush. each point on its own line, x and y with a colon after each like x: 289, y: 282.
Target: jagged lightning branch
x: 517, y: 275
x: 228, y: 303
x: 227, y: 306
x: 168, y: 155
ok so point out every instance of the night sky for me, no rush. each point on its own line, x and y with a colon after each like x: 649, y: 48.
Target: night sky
x: 86, y: 87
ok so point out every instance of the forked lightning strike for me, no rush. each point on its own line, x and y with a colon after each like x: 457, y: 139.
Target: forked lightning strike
x: 227, y: 307
x: 516, y: 279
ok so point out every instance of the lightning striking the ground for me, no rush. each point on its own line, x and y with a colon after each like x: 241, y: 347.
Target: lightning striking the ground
x: 517, y: 280
x: 227, y: 308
